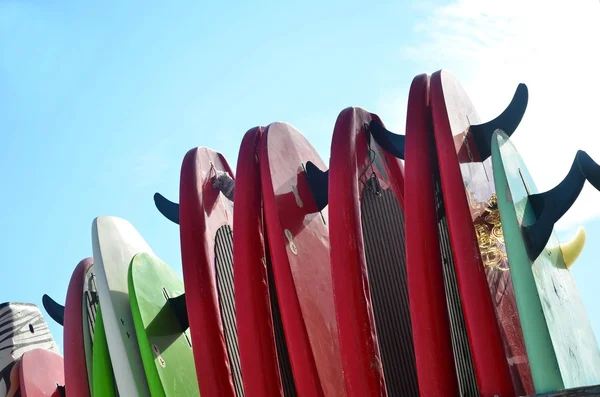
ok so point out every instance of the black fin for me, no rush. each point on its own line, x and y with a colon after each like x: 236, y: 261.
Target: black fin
x: 550, y: 206
x: 390, y: 142
x: 169, y: 209
x: 507, y: 121
x: 179, y: 307
x: 319, y: 184
x: 54, y: 310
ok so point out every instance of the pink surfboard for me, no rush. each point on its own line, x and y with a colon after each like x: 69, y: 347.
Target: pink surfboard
x: 298, y: 240
x: 41, y: 374
x: 75, y: 371
x: 263, y: 351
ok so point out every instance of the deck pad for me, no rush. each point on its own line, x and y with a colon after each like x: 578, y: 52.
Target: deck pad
x: 299, y: 246
x: 165, y: 347
x: 565, y: 320
x: 482, y: 270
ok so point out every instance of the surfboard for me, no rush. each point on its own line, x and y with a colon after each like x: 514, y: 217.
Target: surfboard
x: 561, y: 344
x: 22, y: 328
x: 41, y: 374
x: 115, y: 241
x: 205, y: 214
x: 425, y: 270
x: 482, y: 270
x: 298, y: 240
x: 366, y: 223
x: 79, y: 332
x: 264, y: 354
x: 89, y: 307
x: 164, y: 344
x: 102, y: 372
x: 75, y: 363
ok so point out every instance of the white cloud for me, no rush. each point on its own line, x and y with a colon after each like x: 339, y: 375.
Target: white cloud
x: 553, y: 47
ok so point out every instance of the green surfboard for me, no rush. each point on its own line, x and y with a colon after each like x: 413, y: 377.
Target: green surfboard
x: 103, y: 379
x: 164, y: 345
x: 561, y: 345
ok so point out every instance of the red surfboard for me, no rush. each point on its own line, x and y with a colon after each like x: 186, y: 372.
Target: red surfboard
x: 75, y: 371
x: 41, y: 374
x: 298, y: 240
x: 434, y: 353
x: 483, y: 276
x: 368, y: 260
x: 206, y: 220
x: 263, y: 351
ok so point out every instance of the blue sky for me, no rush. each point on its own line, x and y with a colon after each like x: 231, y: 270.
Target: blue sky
x: 100, y: 102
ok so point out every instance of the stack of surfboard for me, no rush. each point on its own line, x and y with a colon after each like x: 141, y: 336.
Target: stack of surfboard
x: 416, y: 264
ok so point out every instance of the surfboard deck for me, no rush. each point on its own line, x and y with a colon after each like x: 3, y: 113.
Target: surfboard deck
x: 483, y: 274
x: 23, y: 329
x: 264, y: 355
x: 206, y: 219
x: 75, y: 362
x: 437, y: 361
x: 41, y: 372
x: 366, y: 223
x: 299, y: 247
x: 546, y: 283
x: 102, y: 371
x: 165, y: 347
x: 115, y: 241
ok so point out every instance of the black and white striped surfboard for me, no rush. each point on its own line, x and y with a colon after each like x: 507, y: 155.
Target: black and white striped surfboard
x: 22, y: 328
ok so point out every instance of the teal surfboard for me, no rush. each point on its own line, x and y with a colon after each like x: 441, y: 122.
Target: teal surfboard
x: 165, y: 347
x: 562, y: 348
x: 102, y: 373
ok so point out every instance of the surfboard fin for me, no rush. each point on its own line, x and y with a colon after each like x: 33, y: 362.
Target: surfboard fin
x: 550, y: 206
x: 318, y: 181
x: 507, y: 121
x: 179, y: 307
x: 572, y: 248
x: 60, y: 391
x: 55, y: 311
x: 390, y: 142
x: 169, y: 209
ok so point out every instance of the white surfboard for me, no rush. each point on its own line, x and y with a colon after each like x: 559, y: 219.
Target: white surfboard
x: 22, y: 328
x: 115, y: 241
